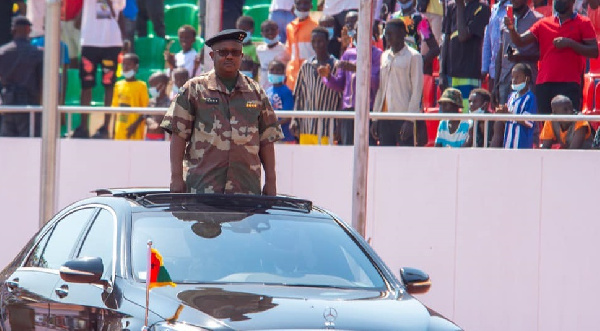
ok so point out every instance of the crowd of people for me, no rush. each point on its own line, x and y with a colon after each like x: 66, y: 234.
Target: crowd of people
x: 511, y: 56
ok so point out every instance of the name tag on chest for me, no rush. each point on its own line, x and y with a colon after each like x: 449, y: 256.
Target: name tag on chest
x: 211, y: 101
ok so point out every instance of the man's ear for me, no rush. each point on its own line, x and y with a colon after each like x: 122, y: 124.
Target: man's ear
x: 212, y: 55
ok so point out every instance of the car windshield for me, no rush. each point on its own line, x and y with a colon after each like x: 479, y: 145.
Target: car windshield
x: 236, y: 247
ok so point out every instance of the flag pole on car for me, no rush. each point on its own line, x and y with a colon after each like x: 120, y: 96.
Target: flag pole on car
x: 148, y: 272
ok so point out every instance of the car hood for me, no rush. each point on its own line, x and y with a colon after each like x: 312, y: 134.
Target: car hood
x: 267, y: 307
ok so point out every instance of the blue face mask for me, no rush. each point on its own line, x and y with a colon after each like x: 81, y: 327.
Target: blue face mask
x: 247, y: 73
x: 330, y: 31
x: 272, y: 41
x: 276, y: 79
x: 248, y: 37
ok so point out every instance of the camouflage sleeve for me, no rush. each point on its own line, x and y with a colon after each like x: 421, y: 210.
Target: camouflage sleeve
x: 180, y: 116
x: 268, y: 125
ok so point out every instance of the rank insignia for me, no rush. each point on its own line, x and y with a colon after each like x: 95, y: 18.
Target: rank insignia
x: 253, y: 104
x: 212, y: 101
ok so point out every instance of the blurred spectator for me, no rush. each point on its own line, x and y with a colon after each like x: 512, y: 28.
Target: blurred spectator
x: 434, y: 11
x: 565, y: 40
x: 130, y: 92
x: 64, y: 62
x: 565, y: 135
x: 400, y: 89
x: 36, y: 13
x: 298, y: 44
x: 338, y: 10
x: 247, y: 66
x: 129, y: 16
x: 328, y: 22
x: 452, y: 133
x: 281, y: 98
x: 271, y: 50
x: 343, y: 79
x: 281, y: 12
x: 479, y: 103
x: 179, y: 76
x: 21, y: 77
x: 511, y: 54
x: 491, y: 41
x: 349, y: 31
x: 463, y: 26
x: 158, y: 99
x: 593, y: 13
x: 518, y: 134
x: 312, y: 94
x: 101, y: 44
x: 153, y: 10
x: 543, y: 7
x: 246, y: 23
x: 70, y: 25
x: 6, y: 13
x: 187, y: 55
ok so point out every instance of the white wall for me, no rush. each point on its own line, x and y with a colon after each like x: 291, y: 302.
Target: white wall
x: 510, y: 238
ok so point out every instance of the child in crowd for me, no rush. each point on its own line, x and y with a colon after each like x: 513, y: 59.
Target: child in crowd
x: 180, y: 77
x: 479, y: 103
x: 565, y: 135
x: 518, y: 134
x: 281, y: 97
x: 247, y: 66
x: 328, y: 22
x: 271, y: 50
x: 158, y: 99
x: 130, y: 92
x: 452, y: 133
x: 185, y: 58
x: 246, y: 23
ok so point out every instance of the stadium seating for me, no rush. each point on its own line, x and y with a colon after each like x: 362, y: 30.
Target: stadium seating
x: 178, y: 15
x: 252, y: 3
x: 150, y: 50
x: 179, y: 2
x: 73, y: 93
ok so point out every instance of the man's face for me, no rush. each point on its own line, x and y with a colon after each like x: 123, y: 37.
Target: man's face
x: 476, y: 102
x: 227, y: 56
x: 518, y: 4
x: 563, y: 108
x: 394, y: 34
x: 21, y: 31
x: 303, y: 5
x: 319, y: 42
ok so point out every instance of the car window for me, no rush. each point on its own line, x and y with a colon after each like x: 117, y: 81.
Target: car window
x: 262, y: 248
x: 99, y: 241
x: 56, y: 246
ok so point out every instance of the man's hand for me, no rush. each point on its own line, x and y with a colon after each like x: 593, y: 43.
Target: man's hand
x: 178, y: 185
x: 170, y: 59
x: 324, y: 71
x: 346, y: 65
x: 269, y: 188
x: 562, y: 42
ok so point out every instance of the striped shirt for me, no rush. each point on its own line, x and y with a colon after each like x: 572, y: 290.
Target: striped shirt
x: 456, y: 139
x: 517, y: 135
x: 312, y: 94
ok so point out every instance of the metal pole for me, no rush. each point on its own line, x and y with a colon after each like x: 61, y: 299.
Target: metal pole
x: 214, y: 12
x: 361, y: 122
x: 50, y: 112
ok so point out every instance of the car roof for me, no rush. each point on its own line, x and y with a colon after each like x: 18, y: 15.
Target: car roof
x: 160, y: 199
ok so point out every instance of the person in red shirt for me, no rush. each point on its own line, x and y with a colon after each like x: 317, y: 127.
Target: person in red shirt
x: 565, y: 40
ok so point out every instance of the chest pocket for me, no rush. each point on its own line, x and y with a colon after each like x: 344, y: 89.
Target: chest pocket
x: 208, y: 113
x: 400, y: 62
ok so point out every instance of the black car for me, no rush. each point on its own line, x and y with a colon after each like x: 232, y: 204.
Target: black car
x: 239, y: 263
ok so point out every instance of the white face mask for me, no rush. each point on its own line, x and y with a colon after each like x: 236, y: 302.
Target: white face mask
x: 301, y: 14
x: 153, y: 92
x: 518, y: 87
x: 128, y: 74
x: 175, y: 89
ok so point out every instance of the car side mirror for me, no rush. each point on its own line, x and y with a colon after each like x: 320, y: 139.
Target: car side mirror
x: 83, y: 270
x: 415, y: 280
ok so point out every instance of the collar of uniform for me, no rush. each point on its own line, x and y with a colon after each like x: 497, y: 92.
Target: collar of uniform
x: 215, y: 84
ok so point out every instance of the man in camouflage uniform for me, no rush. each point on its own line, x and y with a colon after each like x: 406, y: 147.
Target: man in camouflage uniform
x: 224, y: 127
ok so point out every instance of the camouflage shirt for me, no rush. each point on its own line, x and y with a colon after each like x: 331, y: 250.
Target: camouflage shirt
x: 224, y: 132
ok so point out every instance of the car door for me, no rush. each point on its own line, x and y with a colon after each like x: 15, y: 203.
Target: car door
x: 31, y: 285
x: 88, y: 306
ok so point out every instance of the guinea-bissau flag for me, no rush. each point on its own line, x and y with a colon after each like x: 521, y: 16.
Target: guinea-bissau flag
x: 159, y: 276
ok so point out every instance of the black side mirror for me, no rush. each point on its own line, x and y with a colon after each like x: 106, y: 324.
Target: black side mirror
x: 415, y: 280
x: 83, y: 270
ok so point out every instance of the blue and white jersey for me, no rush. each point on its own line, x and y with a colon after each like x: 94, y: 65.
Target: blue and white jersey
x: 456, y: 139
x: 515, y: 134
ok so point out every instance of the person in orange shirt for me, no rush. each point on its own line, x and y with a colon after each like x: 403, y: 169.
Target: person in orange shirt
x: 571, y: 135
x: 298, y: 45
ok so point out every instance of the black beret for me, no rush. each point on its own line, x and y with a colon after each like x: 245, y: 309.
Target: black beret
x: 229, y: 34
x: 20, y: 21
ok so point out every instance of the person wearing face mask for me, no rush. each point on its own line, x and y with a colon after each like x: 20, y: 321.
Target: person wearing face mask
x: 271, y: 50
x: 281, y: 98
x: 298, y: 45
x: 518, y: 134
x: 565, y: 41
x: 246, y: 23
x: 180, y: 76
x: 130, y: 92
x: 158, y: 99
x: 338, y: 9
x: 328, y: 22
x: 282, y: 13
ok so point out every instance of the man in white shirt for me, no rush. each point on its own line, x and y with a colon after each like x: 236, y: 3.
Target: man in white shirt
x: 101, y: 44
x: 400, y: 88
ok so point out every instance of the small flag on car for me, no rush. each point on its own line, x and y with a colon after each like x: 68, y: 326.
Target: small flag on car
x: 159, y: 276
